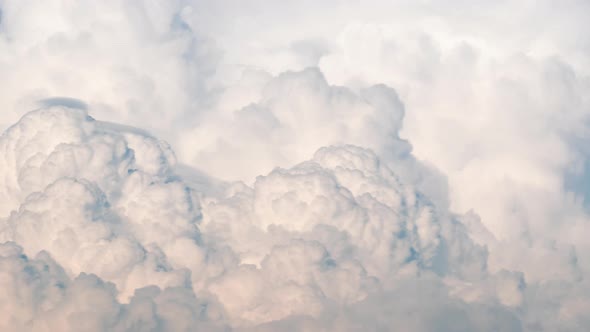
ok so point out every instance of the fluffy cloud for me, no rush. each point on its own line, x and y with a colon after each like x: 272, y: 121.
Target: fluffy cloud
x: 76, y: 188
x: 297, y: 113
x: 122, y: 243
x: 103, y: 228
x: 497, y: 89
x: 132, y: 60
x: 103, y: 199
x: 39, y: 296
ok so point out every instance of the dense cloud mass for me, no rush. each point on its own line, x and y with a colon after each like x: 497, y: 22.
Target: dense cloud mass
x: 95, y: 210
x: 294, y: 166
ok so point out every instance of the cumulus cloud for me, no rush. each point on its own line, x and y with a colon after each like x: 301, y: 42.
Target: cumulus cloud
x: 497, y: 89
x: 416, y: 167
x: 297, y: 113
x: 119, y: 239
x: 39, y: 296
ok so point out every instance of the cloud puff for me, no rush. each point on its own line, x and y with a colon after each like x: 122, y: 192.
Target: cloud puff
x: 296, y: 113
x: 39, y: 296
x: 91, y: 194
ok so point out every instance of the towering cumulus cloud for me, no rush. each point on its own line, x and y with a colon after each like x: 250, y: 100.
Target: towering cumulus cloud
x: 294, y: 166
x: 100, y: 233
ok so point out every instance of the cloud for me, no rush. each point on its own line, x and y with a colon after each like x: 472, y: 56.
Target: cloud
x: 297, y: 113
x: 132, y: 60
x: 496, y: 89
x: 39, y: 296
x: 494, y: 96
x: 101, y: 199
x: 416, y: 167
x: 100, y: 206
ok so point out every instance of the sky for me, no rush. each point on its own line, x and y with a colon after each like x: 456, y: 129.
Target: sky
x: 259, y: 165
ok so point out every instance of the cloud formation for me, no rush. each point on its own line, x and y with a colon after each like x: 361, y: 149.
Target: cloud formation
x: 417, y: 167
x: 94, y: 209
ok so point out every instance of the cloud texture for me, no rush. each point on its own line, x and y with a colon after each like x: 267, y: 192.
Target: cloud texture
x: 95, y: 210
x: 391, y: 166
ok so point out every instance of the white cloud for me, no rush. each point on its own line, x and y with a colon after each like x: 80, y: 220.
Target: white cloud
x: 446, y: 188
x: 103, y: 199
x: 495, y: 97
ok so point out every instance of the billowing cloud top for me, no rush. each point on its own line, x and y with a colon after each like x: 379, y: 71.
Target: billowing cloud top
x: 93, y: 207
x: 330, y: 167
